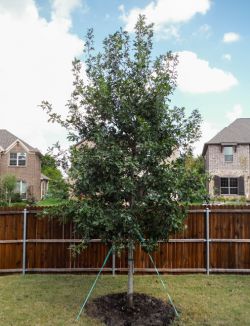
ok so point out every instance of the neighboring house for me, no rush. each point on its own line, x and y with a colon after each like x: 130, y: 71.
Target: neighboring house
x: 227, y: 159
x: 24, y: 161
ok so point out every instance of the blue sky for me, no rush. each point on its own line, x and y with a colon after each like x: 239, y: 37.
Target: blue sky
x: 40, y: 39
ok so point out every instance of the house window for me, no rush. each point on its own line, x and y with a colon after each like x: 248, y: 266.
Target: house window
x: 17, y: 159
x: 228, y: 153
x: 229, y: 186
x: 21, y: 188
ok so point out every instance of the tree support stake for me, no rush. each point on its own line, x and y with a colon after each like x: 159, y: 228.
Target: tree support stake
x: 94, y: 283
x: 159, y: 276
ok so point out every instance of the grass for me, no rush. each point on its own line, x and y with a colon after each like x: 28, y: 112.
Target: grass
x: 44, y: 202
x: 55, y: 299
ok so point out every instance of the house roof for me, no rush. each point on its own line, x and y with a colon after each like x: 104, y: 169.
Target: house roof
x: 7, y: 139
x: 237, y: 132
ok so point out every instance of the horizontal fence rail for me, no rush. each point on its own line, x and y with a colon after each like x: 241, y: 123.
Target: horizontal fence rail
x: 214, y: 239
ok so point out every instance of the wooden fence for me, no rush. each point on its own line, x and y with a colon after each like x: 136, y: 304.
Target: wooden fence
x: 214, y: 239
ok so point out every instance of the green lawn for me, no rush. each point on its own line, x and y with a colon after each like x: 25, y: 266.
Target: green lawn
x: 55, y: 299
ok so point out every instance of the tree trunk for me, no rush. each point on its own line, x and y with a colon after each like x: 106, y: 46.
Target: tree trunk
x: 130, y: 274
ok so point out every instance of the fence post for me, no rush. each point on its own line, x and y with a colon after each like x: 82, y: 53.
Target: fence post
x: 207, y: 241
x: 24, y: 239
x: 113, y: 262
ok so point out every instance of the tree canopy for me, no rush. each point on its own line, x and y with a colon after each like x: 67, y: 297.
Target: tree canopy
x: 126, y: 176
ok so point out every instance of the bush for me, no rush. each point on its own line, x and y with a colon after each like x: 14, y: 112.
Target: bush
x: 3, y: 203
x: 16, y: 198
x: 229, y: 199
x: 21, y: 204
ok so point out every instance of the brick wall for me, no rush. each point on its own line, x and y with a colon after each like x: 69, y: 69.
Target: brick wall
x: 31, y: 173
x: 216, y: 165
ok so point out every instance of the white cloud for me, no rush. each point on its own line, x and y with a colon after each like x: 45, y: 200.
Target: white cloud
x: 231, y: 37
x: 15, y: 6
x: 235, y: 113
x: 64, y: 8
x: 35, y: 65
x: 168, y: 32
x: 165, y: 12
x: 227, y: 57
x: 203, y: 31
x: 196, y: 76
x: 205, y: 28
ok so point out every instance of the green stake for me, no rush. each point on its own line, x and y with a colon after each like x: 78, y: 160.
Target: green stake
x: 158, y: 274
x: 93, y: 285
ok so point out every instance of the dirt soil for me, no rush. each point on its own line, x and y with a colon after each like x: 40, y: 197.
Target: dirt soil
x: 112, y: 310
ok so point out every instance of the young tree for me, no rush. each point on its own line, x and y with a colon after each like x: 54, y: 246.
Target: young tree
x: 8, y: 186
x: 196, y: 165
x: 125, y: 177
x: 58, y: 188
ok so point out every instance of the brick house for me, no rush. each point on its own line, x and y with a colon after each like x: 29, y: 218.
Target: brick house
x: 227, y: 159
x: 24, y: 161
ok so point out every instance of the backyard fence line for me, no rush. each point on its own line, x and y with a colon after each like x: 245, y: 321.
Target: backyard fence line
x: 214, y: 240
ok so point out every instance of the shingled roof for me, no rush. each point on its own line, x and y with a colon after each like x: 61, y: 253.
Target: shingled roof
x: 7, y: 139
x: 237, y: 132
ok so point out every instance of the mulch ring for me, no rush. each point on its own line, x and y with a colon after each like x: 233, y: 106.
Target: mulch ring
x: 112, y: 310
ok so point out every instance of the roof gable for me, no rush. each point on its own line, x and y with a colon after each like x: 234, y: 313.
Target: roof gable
x: 17, y: 142
x: 237, y: 132
x: 7, y: 139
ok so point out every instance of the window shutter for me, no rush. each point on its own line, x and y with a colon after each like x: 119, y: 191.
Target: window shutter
x: 241, y: 186
x: 216, y: 185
